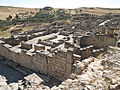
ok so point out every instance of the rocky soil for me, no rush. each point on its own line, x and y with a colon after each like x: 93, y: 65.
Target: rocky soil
x: 102, y: 73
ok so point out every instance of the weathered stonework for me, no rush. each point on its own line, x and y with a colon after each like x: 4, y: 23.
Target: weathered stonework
x: 55, y: 50
x: 26, y: 45
x: 96, y: 39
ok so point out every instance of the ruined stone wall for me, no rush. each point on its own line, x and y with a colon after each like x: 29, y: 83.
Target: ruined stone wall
x: 83, y: 52
x: 25, y: 45
x: 86, y: 52
x: 47, y: 43
x: 12, y: 41
x: 39, y: 47
x: 98, y: 41
x: 64, y: 33
x: 58, y: 65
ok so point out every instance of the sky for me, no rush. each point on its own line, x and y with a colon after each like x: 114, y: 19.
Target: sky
x: 61, y: 3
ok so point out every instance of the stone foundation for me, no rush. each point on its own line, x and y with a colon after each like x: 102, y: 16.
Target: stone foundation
x: 58, y: 64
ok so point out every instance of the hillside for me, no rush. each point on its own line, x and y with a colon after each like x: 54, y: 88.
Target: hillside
x: 28, y: 18
x: 5, y: 11
x: 97, y: 10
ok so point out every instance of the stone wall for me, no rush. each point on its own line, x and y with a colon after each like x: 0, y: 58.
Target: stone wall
x: 47, y: 43
x: 25, y: 45
x: 58, y: 64
x: 98, y: 41
x: 86, y: 52
x: 65, y: 33
x: 12, y: 41
x: 39, y: 47
x: 83, y: 52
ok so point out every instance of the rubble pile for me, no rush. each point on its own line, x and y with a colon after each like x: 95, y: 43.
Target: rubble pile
x: 30, y: 82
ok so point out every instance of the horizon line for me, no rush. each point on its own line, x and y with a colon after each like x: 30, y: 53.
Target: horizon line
x: 57, y: 7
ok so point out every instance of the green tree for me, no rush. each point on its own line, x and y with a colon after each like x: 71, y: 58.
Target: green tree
x: 47, y: 8
x: 16, y: 16
x: 9, y: 18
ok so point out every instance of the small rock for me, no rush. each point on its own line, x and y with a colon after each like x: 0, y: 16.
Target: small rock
x: 14, y: 86
x: 72, y: 76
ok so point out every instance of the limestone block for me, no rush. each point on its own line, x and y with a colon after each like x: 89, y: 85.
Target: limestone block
x: 77, y: 57
x: 34, y: 79
x: 39, y: 47
x: 25, y: 45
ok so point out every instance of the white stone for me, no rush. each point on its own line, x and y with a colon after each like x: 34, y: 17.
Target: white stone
x: 34, y: 79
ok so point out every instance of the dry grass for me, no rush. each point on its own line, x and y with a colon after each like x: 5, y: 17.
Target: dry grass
x: 6, y: 11
x: 27, y: 28
x: 98, y: 11
x: 5, y: 33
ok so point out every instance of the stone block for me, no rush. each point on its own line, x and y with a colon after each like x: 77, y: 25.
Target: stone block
x: 39, y: 47
x: 25, y: 45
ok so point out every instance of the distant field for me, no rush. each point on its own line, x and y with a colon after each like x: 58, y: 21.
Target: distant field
x: 98, y: 11
x: 5, y: 11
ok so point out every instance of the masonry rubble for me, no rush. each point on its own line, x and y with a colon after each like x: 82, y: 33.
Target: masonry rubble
x: 29, y: 82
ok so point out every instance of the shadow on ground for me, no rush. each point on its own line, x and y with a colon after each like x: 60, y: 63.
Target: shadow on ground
x: 11, y: 74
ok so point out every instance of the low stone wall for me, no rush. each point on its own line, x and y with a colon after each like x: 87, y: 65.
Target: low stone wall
x: 86, y: 52
x: 97, y: 52
x: 65, y: 33
x: 51, y: 44
x: 49, y: 38
x: 68, y: 45
x: 25, y: 45
x: 58, y: 64
x: 23, y: 37
x: 12, y: 41
x: 83, y: 52
x: 39, y: 47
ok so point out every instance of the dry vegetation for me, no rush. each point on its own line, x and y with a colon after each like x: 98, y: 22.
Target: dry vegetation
x: 7, y: 33
x: 98, y: 11
x: 5, y: 11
